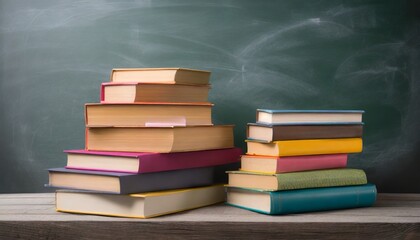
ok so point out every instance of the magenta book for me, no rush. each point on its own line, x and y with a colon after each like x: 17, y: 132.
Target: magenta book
x: 132, y: 162
x: 265, y: 164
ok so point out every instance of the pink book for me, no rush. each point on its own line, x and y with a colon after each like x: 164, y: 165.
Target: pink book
x: 131, y: 162
x: 265, y: 164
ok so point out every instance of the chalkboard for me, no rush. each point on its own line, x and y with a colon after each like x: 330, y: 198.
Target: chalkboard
x: 361, y: 54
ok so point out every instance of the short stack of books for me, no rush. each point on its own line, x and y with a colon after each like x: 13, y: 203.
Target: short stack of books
x: 151, y: 148
x: 296, y: 162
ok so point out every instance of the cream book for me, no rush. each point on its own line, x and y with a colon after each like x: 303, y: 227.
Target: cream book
x: 141, y: 205
x: 160, y: 75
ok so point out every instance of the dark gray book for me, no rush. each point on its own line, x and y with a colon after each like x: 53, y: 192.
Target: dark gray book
x: 126, y: 183
x: 299, y: 131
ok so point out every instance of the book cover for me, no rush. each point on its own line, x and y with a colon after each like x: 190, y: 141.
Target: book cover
x: 305, y: 147
x: 161, y: 75
x: 140, y: 205
x: 126, y: 183
x: 297, y: 180
x: 308, y: 116
x: 144, y: 114
x: 296, y: 131
x: 303, y: 200
x: 141, y: 162
x: 264, y: 164
x: 159, y: 139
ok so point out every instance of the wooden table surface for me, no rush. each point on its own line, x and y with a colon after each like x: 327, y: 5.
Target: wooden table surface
x: 32, y: 216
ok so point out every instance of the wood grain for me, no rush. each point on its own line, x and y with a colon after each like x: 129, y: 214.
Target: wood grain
x: 32, y: 216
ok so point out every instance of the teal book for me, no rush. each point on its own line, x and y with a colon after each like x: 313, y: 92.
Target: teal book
x: 303, y: 200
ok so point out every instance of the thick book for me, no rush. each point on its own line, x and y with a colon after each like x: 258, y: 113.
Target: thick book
x: 265, y: 164
x: 147, y: 114
x: 309, y: 116
x: 159, y: 139
x: 153, y: 92
x: 139, y: 205
x: 132, y: 162
x: 161, y: 75
x: 297, y: 180
x: 126, y: 183
x: 303, y: 200
x: 277, y: 132
x: 305, y: 147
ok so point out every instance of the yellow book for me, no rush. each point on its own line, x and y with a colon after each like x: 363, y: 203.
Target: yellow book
x: 142, y: 205
x: 305, y: 147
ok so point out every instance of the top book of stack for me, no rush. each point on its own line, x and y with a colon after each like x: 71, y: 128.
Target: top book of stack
x: 160, y: 75
x: 308, y: 116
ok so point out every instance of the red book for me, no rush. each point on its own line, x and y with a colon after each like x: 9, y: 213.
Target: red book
x: 265, y: 164
x: 132, y: 162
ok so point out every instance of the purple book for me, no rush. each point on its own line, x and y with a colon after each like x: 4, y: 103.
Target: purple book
x: 131, y: 162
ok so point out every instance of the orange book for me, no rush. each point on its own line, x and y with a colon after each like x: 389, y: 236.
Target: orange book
x: 305, y: 147
x: 153, y: 92
x: 147, y: 114
x: 161, y: 75
x: 159, y: 139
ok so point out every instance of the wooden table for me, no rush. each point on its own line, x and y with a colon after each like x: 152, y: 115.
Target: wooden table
x: 32, y: 216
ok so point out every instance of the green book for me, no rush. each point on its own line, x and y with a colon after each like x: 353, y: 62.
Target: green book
x: 297, y: 180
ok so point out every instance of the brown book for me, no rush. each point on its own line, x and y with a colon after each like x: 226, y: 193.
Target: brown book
x: 153, y: 92
x: 160, y: 75
x: 269, y: 133
x: 159, y: 139
x: 147, y: 114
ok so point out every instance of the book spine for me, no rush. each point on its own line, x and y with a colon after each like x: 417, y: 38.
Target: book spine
x: 305, y: 163
x: 308, y: 200
x: 185, y: 160
x: 296, y: 132
x: 186, y: 178
x: 321, y: 178
x: 102, y: 93
x: 319, y: 146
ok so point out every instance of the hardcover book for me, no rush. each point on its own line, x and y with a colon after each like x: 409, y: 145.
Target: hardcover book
x: 160, y: 75
x: 126, y: 183
x: 305, y: 147
x: 277, y: 132
x: 297, y: 180
x: 303, y: 200
x: 132, y: 162
x: 159, y: 139
x: 309, y: 116
x: 153, y: 92
x: 147, y: 114
x: 266, y: 164
x: 139, y: 205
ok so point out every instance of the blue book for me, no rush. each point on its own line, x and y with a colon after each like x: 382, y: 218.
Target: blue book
x: 270, y: 116
x: 304, y: 200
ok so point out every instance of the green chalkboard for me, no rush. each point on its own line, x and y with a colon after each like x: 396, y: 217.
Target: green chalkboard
x: 361, y: 54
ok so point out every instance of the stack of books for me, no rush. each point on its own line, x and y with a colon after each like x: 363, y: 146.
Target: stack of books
x: 296, y: 162
x: 151, y: 148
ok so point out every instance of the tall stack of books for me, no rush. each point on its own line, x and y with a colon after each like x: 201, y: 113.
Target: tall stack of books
x: 297, y: 162
x: 151, y: 148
